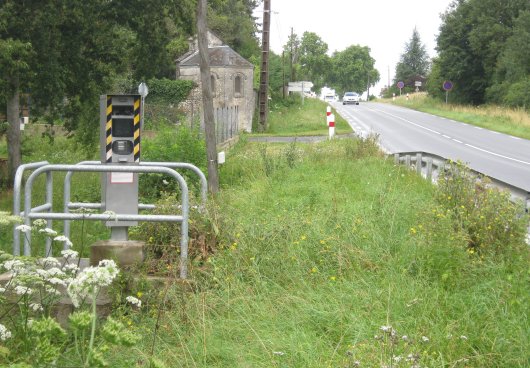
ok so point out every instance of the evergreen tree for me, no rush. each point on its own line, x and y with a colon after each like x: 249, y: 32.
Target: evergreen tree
x: 414, y: 62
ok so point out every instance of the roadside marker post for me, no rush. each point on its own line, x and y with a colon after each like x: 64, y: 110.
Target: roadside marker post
x: 328, y: 111
x: 331, y: 125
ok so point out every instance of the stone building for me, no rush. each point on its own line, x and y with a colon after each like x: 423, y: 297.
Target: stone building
x: 232, y: 79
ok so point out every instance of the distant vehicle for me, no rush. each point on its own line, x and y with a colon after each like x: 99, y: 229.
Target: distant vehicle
x: 329, y: 98
x: 350, y: 98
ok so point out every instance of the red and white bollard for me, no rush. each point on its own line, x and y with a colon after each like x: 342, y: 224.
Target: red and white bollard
x: 331, y: 125
x: 328, y: 111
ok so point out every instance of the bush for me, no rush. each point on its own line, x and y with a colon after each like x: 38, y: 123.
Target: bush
x: 168, y: 91
x: 492, y: 224
x: 518, y: 94
x: 173, y: 144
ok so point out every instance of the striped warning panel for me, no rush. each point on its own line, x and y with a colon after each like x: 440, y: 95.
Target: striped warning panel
x: 109, y: 129
x: 137, y: 129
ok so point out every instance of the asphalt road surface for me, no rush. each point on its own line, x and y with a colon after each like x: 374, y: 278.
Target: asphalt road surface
x: 494, y: 154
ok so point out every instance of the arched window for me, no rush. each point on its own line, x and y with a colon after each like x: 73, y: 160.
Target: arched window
x: 237, y: 86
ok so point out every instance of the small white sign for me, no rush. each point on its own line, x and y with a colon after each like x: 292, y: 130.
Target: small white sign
x: 221, y: 157
x: 417, y: 83
x: 121, y: 178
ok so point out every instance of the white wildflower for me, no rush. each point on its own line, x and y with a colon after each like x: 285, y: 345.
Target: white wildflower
x: 397, y: 358
x: 23, y: 228
x: 70, y: 268
x: 52, y: 291
x: 2, y: 290
x: 48, y: 232
x: 69, y: 253
x: 279, y: 353
x: 36, y: 307
x: 91, y: 279
x: 134, y: 301
x: 14, y: 265
x: 386, y: 328
x: 23, y: 290
x: 405, y: 338
x: 64, y: 239
x: 50, y: 262
x: 39, y: 222
x: 4, y: 333
x: 463, y: 337
x: 424, y: 339
x: 57, y: 281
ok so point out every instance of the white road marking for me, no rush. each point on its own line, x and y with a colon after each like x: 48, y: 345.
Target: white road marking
x: 468, y: 145
x: 457, y: 141
x: 498, y: 155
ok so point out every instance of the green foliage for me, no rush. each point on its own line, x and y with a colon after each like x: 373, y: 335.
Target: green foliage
x: 352, y: 68
x: 315, y: 62
x: 168, y: 91
x: 290, y: 117
x: 173, y: 144
x: 414, y: 62
x: 481, y: 45
x: 491, y: 223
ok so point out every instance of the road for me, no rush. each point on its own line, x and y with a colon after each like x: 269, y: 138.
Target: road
x: 494, y: 154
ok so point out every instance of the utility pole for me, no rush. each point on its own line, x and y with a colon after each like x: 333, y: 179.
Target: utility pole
x: 283, y: 74
x: 207, y: 100
x: 264, y: 76
x: 292, y: 56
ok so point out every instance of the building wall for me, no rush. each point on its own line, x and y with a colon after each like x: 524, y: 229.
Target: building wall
x: 224, y: 94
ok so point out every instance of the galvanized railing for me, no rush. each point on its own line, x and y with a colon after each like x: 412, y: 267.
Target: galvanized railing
x: 45, y: 211
x: 430, y: 166
x: 68, y: 205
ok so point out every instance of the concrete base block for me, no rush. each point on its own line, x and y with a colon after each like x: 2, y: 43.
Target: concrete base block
x: 123, y: 252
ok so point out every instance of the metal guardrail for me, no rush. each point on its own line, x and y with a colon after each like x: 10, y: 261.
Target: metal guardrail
x: 16, y: 199
x: 431, y: 165
x: 67, y: 204
x: 45, y: 211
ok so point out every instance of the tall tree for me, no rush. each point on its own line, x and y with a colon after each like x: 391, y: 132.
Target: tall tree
x: 207, y: 99
x: 472, y: 37
x: 414, y: 62
x: 314, y: 61
x: 14, y: 56
x: 352, y: 68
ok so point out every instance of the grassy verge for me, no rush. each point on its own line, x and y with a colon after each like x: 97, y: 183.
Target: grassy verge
x: 321, y: 251
x: 295, y: 119
x: 500, y: 119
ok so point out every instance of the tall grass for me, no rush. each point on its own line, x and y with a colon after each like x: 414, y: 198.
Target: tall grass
x: 505, y: 120
x: 314, y: 257
x: 293, y: 118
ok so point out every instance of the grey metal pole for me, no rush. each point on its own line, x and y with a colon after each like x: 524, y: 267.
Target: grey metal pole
x: 17, y: 187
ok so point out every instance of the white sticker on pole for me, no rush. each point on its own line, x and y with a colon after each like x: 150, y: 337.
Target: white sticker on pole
x: 121, y: 178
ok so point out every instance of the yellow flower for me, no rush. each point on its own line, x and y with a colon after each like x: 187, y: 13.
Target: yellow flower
x: 332, y: 278
x: 314, y: 270
x: 322, y: 242
x: 303, y: 237
x: 139, y: 294
x: 413, y: 230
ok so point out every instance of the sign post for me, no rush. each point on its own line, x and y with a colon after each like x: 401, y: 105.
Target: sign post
x: 400, y: 85
x: 447, y: 86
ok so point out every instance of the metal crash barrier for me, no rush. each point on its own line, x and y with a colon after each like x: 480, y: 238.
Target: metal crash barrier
x: 45, y: 211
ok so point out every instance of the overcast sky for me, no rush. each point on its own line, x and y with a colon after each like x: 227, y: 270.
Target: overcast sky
x: 382, y: 25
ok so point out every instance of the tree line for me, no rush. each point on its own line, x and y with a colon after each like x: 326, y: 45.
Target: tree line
x: 482, y: 49
x: 306, y: 59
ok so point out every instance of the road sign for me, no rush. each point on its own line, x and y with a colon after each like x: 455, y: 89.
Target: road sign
x: 417, y: 83
x: 400, y: 84
x: 304, y: 86
x: 143, y: 90
x: 448, y: 85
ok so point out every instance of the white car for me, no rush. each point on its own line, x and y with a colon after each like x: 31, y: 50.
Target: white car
x: 350, y: 98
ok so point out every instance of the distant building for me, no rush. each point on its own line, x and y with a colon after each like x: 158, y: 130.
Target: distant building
x: 232, y: 79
